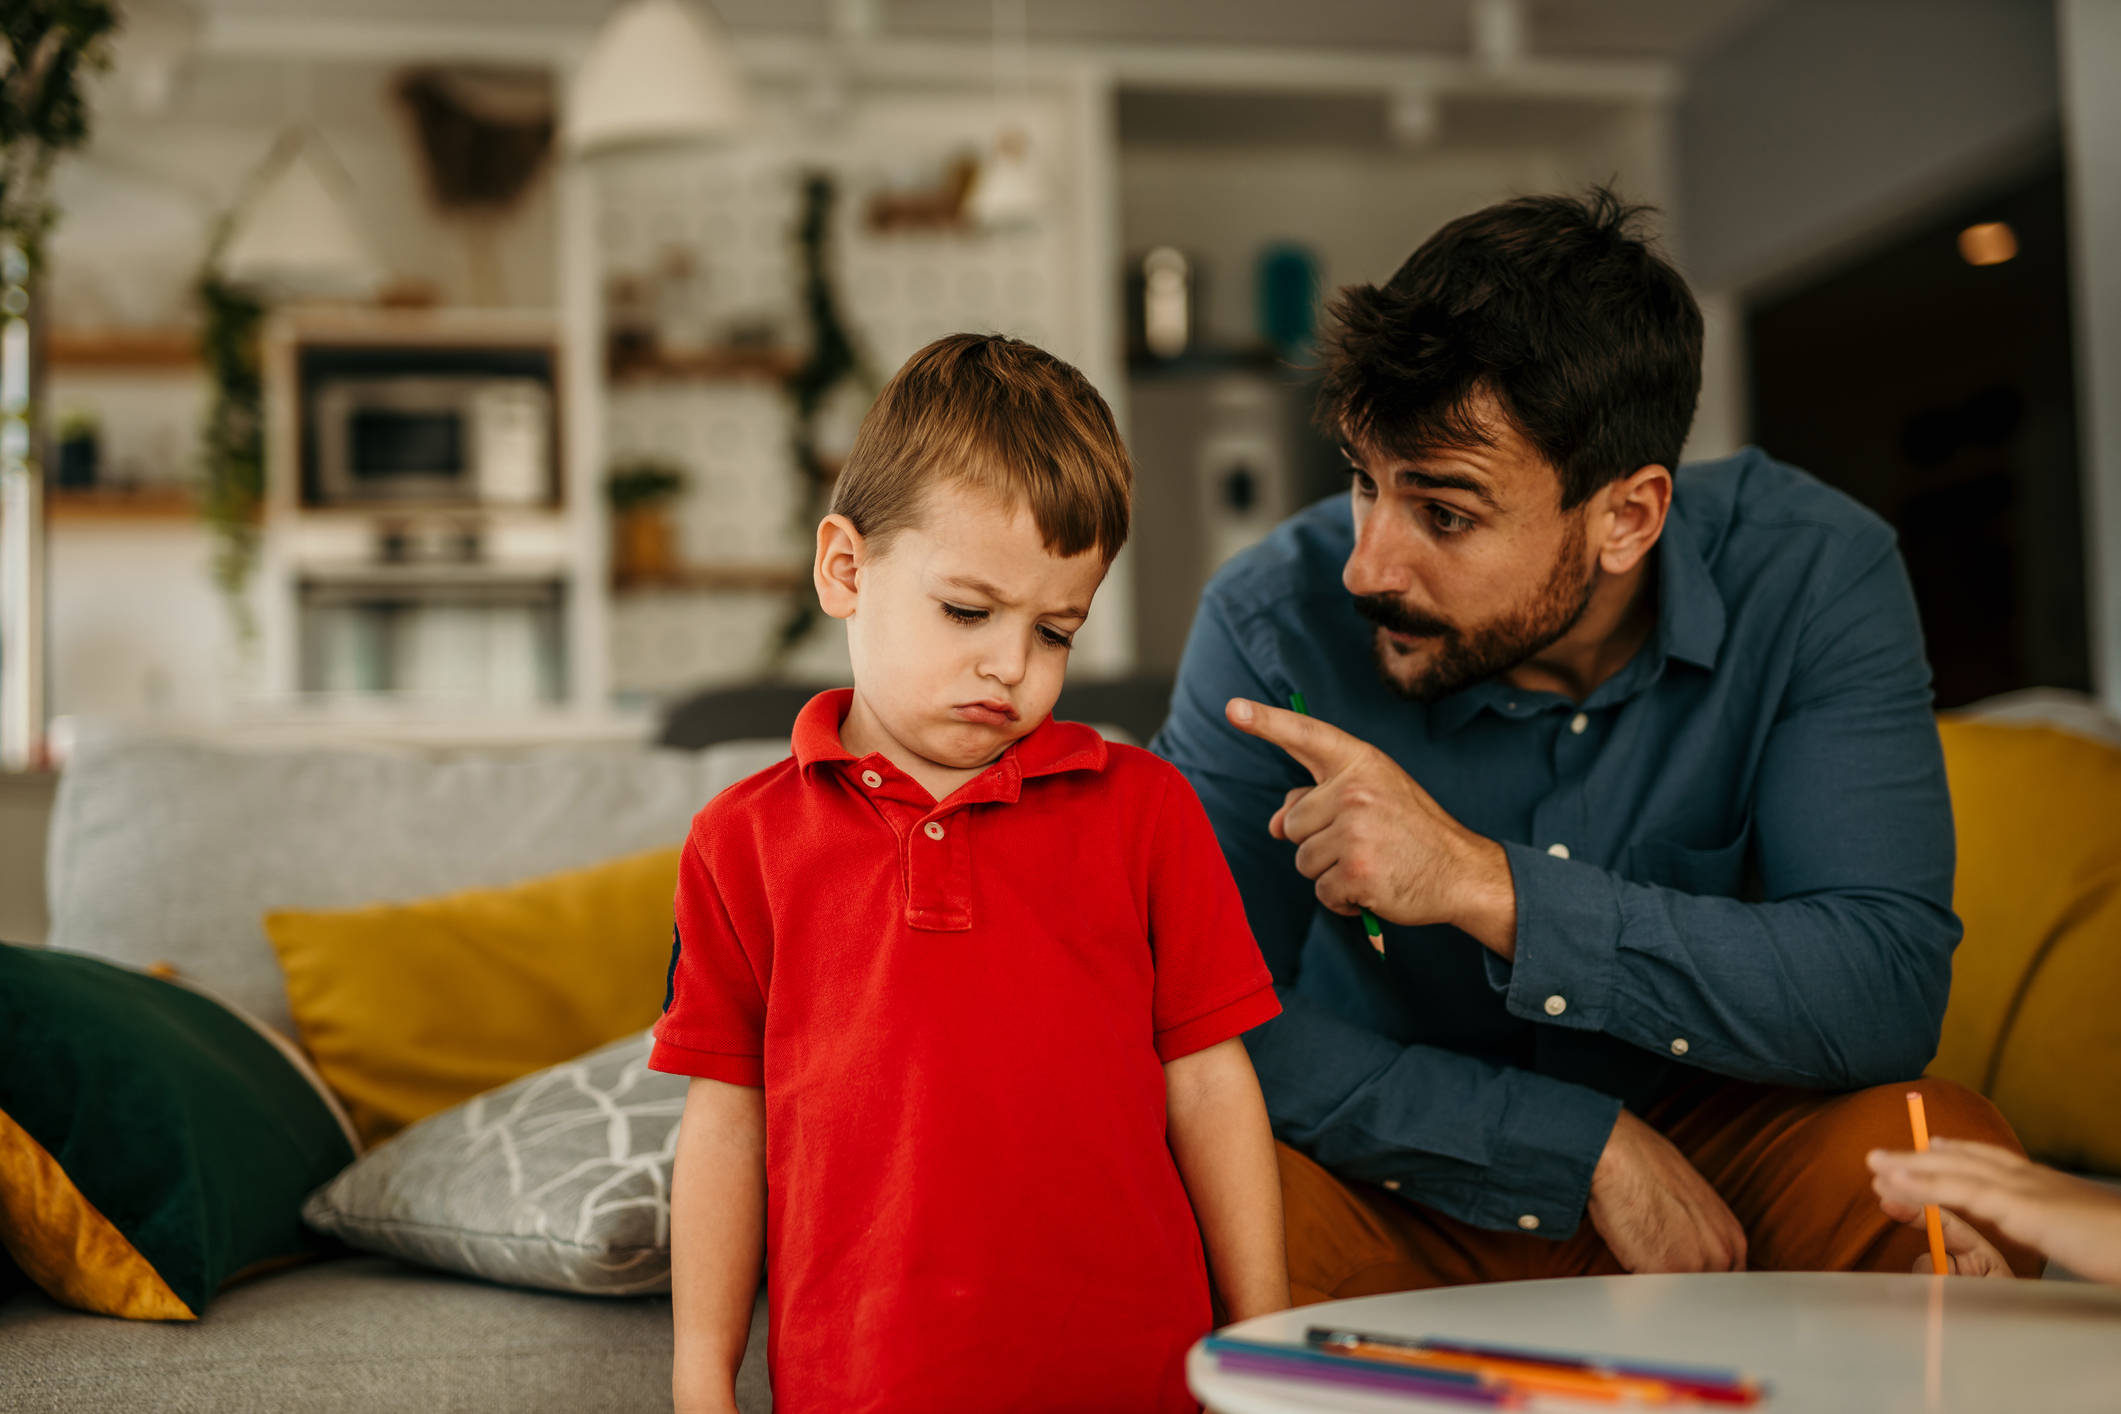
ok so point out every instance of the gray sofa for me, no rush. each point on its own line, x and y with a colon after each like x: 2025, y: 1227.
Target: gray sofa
x: 171, y: 851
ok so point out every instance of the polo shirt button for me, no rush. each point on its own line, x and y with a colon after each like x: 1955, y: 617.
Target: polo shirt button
x: 1679, y: 1046
x: 1529, y: 1222
x: 1559, y: 851
x: 1393, y: 1184
x: 1578, y: 722
x: 1557, y: 1004
x: 871, y: 779
x: 933, y: 829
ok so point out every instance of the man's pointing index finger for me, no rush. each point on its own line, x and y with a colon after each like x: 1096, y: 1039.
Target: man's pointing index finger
x: 1319, y: 747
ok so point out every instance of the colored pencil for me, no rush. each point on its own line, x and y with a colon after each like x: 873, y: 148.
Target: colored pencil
x: 1371, y: 928
x: 1931, y: 1217
x: 1623, y: 1379
x: 1256, y: 1357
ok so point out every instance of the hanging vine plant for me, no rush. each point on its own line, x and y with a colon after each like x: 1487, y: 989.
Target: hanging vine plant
x: 833, y: 360
x: 45, y: 48
x: 232, y: 443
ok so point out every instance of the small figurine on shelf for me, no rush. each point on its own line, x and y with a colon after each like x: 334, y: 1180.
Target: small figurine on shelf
x: 79, y: 444
x: 644, y: 543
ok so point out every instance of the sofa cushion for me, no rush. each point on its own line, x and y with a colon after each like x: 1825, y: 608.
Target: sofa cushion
x: 359, y: 1336
x: 410, y: 1008
x: 174, y: 850
x: 561, y: 1181
x: 152, y: 1143
x: 2031, y: 1022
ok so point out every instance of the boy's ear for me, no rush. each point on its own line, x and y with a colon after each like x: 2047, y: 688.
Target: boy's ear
x: 841, y: 553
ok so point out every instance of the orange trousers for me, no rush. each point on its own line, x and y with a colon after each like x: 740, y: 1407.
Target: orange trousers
x: 1789, y: 1162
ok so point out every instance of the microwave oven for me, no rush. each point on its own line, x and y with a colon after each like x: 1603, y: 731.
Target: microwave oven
x: 453, y: 438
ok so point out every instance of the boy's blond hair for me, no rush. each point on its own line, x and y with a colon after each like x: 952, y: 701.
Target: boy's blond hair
x: 1000, y: 414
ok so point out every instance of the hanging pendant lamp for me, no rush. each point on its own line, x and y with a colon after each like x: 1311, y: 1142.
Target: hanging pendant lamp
x: 658, y: 72
x: 297, y: 233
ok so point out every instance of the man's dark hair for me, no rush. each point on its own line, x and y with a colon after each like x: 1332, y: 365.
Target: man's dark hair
x: 1558, y: 307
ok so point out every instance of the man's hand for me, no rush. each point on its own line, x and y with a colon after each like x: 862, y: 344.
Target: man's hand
x: 2075, y: 1222
x: 1655, y: 1210
x: 1370, y: 837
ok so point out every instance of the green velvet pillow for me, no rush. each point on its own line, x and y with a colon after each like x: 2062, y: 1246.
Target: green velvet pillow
x: 154, y: 1142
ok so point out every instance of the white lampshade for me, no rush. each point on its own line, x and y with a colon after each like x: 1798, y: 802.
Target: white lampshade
x: 1007, y: 190
x: 659, y: 71
x: 298, y: 233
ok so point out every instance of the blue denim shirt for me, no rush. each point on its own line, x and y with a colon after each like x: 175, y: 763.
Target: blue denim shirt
x: 1737, y: 850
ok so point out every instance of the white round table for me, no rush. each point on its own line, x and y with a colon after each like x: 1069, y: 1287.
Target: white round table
x: 1823, y: 1342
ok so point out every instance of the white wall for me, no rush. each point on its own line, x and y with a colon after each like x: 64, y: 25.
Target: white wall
x: 2091, y: 60
x: 1824, y: 120
x: 136, y: 625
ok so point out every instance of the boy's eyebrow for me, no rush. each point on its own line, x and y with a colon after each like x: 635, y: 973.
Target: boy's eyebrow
x: 981, y: 587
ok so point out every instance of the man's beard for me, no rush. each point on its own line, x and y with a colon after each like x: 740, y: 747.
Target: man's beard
x: 1460, y: 657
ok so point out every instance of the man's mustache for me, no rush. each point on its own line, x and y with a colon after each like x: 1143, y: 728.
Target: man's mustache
x: 1388, y: 612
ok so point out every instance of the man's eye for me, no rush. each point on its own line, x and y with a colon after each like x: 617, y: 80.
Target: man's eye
x: 1364, y: 486
x: 958, y: 613
x: 1448, y: 521
x: 1055, y: 638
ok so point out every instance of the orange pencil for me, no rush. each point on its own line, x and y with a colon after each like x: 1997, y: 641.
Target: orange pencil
x: 1930, y: 1215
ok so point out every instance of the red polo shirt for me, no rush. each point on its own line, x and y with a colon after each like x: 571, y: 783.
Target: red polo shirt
x: 960, y: 1013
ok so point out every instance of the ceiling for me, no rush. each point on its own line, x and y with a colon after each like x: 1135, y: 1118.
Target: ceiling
x: 1664, y: 29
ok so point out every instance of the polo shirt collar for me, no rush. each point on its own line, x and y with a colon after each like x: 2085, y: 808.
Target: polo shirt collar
x: 1050, y: 747
x: 1691, y: 621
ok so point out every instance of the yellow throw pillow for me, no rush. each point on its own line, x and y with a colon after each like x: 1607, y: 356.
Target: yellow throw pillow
x: 2032, y: 1022
x: 410, y: 1008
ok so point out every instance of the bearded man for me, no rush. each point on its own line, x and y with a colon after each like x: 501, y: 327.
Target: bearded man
x: 1636, y: 766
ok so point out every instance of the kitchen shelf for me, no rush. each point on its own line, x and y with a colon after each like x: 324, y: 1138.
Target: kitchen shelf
x: 723, y: 577
x: 124, y: 350
x: 146, y: 503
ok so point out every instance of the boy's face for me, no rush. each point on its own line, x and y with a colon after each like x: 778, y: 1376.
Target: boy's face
x: 960, y: 631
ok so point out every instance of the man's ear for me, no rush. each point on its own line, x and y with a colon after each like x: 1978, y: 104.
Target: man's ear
x: 1637, y: 504
x: 841, y: 554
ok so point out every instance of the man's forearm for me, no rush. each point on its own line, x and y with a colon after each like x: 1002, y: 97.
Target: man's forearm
x: 1224, y: 1149
x: 717, y: 1240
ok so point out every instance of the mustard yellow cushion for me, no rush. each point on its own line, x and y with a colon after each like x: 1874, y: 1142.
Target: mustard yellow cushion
x: 411, y: 1008
x: 2035, y: 1015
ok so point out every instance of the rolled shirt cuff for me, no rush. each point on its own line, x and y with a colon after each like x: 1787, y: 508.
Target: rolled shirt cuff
x: 1568, y: 942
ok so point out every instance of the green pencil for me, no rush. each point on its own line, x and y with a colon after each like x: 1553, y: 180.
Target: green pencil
x: 1370, y: 925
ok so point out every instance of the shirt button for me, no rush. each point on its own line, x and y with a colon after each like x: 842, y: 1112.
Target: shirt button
x: 1529, y: 1222
x: 933, y: 829
x: 871, y: 779
x: 1557, y: 1004
x: 1559, y: 851
x: 1393, y: 1184
x: 1578, y: 722
x: 1679, y: 1046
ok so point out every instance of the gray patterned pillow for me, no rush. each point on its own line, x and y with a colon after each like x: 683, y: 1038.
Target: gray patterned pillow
x: 559, y: 1180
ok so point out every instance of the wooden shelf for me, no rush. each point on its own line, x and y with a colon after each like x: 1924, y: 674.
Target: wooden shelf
x: 147, y: 503
x: 124, y: 350
x: 727, y: 577
x: 707, y: 366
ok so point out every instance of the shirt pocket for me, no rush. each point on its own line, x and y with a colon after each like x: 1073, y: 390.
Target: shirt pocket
x: 1723, y: 872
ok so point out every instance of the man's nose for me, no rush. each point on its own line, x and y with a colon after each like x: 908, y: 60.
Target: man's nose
x: 1383, y: 559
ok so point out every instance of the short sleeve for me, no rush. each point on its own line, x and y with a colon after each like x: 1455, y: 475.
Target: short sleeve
x: 714, y: 1024
x: 1211, y: 983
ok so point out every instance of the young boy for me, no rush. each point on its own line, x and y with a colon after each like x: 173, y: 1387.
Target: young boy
x: 961, y: 987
